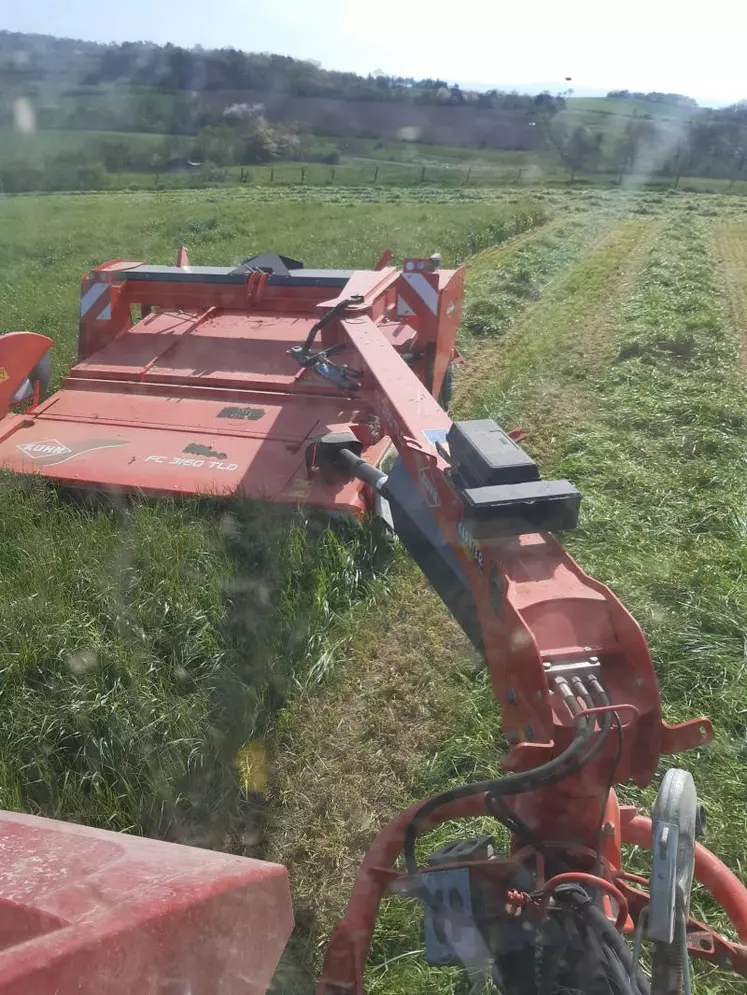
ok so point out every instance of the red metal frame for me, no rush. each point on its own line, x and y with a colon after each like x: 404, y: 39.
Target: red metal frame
x: 161, y: 361
x: 552, y: 612
x: 87, y: 911
x: 350, y: 942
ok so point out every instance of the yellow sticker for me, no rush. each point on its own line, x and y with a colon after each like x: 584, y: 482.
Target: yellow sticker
x: 3, y: 374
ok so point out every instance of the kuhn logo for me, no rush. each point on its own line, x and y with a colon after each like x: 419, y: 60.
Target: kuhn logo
x: 38, y: 450
x: 50, y: 452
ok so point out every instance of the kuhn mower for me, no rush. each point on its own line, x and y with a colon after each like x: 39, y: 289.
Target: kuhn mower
x: 292, y: 385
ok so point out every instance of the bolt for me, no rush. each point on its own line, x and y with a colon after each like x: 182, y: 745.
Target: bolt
x: 547, y: 664
x: 608, y: 829
x: 511, y: 696
x: 513, y: 738
x: 703, y: 732
x: 639, y: 682
x: 529, y: 732
x: 538, y: 694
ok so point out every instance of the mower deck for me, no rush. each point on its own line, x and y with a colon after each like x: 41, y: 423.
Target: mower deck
x: 193, y: 403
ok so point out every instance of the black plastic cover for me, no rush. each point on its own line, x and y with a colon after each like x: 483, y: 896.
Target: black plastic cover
x: 230, y: 276
x: 483, y: 455
x: 516, y: 509
x: 457, y: 851
x: 419, y: 533
x: 271, y: 262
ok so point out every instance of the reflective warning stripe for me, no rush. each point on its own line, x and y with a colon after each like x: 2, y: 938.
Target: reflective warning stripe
x: 425, y: 291
x: 403, y: 308
x: 92, y: 297
x: 106, y: 313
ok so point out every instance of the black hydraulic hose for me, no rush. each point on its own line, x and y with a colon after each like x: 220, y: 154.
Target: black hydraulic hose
x: 575, y: 895
x: 616, y: 970
x: 326, y: 318
x: 616, y: 942
x: 499, y: 807
x: 571, y: 760
x: 552, y: 772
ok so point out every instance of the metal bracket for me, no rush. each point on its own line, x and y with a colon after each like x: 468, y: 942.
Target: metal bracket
x: 575, y: 668
x: 674, y: 818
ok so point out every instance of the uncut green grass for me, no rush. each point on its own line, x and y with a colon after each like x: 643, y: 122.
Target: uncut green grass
x: 142, y: 645
x: 48, y: 242
x: 659, y: 451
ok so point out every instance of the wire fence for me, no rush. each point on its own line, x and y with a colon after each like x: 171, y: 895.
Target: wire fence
x: 353, y: 173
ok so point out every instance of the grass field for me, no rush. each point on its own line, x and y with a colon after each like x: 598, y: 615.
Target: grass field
x: 367, y: 161
x: 141, y: 649
x: 35, y: 146
x: 165, y: 671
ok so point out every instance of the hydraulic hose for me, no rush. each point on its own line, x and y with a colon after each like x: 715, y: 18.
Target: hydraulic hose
x: 552, y: 772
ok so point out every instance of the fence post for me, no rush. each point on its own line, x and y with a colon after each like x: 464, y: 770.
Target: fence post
x: 303, y: 174
x: 272, y: 174
x: 518, y: 175
x: 333, y: 174
x: 422, y: 175
x: 469, y: 173
x: 376, y: 174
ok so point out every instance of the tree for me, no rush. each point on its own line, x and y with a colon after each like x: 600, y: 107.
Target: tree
x: 636, y: 136
x: 683, y: 153
x: 579, y: 149
x: 734, y: 148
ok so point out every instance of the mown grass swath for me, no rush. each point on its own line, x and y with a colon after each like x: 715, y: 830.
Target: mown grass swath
x: 624, y: 364
x: 659, y: 450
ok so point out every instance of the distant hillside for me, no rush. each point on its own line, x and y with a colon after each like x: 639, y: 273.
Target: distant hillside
x: 126, y: 86
x: 226, y: 107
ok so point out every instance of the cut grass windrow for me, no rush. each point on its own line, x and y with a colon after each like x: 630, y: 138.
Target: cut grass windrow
x: 659, y: 450
x: 730, y: 254
x: 652, y: 430
x: 503, y: 281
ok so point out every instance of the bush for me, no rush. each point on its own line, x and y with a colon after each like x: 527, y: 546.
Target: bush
x: 93, y: 177
x: 20, y: 177
x: 62, y: 172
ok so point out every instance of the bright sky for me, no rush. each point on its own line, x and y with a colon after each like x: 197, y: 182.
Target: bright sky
x: 696, y: 48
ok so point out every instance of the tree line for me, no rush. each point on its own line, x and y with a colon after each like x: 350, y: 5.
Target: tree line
x: 712, y: 144
x: 173, y: 69
x: 654, y: 97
